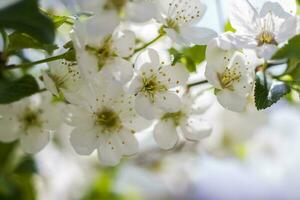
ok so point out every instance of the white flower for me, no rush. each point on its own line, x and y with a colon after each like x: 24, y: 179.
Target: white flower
x: 100, y: 48
x: 132, y: 10
x: 62, y: 75
x: 106, y: 121
x: 179, y: 19
x: 232, y: 75
x: 153, y: 85
x: 187, y: 121
x: 263, y: 30
x: 30, y: 121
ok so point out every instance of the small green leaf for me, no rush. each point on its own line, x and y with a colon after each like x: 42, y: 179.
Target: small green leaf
x: 228, y: 27
x: 25, y: 16
x: 58, y: 20
x: 290, y: 50
x: 19, y: 41
x: 190, y: 57
x: 268, y: 91
x: 11, y: 91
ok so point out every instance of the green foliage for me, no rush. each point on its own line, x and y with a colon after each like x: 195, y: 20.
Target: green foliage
x: 58, y: 20
x: 16, y: 174
x: 19, y: 41
x: 268, y: 91
x: 190, y: 57
x: 103, y: 186
x: 11, y: 91
x: 228, y: 27
x: 290, y: 50
x: 25, y: 16
x: 293, y: 69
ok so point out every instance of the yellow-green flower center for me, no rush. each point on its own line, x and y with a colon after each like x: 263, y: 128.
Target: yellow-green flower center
x: 103, y: 52
x: 152, y: 86
x: 175, y: 117
x: 30, y: 118
x: 229, y: 77
x: 266, y: 37
x: 108, y: 120
x: 173, y: 24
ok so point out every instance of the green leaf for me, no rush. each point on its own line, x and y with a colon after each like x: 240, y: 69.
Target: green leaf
x: 19, y: 41
x: 268, y: 91
x: 190, y: 57
x: 290, y: 50
x: 58, y: 20
x: 293, y: 69
x: 26, y: 166
x: 25, y: 16
x: 11, y: 91
x: 228, y: 27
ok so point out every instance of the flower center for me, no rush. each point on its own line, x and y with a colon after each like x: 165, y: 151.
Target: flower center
x: 102, y: 53
x: 151, y: 86
x: 30, y: 118
x: 170, y: 23
x: 176, y: 117
x: 229, y: 77
x: 266, y: 37
x: 108, y: 120
x: 115, y: 4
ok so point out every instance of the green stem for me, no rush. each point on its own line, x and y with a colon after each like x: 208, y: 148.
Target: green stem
x: 197, y: 83
x: 58, y: 57
x: 149, y: 43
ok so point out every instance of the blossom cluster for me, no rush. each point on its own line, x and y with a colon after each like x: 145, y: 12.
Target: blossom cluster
x: 115, y: 89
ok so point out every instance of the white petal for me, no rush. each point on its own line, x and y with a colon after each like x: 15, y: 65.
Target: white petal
x: 275, y: 8
x: 123, y: 45
x: 175, y: 36
x: 109, y: 152
x: 243, y: 16
x: 34, y: 140
x: 144, y: 107
x: 149, y: 56
x: 287, y: 30
x: 229, y: 41
x: 79, y: 117
x: 266, y: 51
x: 197, y: 35
x: 195, y: 129
x: 168, y: 101
x: 9, y: 130
x: 165, y: 134
x: 288, y: 6
x: 121, y: 69
x: 217, y: 60
x: 49, y: 84
x: 129, y: 144
x: 140, y: 11
x: 84, y: 142
x: 92, y: 30
x: 173, y: 76
x: 135, y: 85
x: 232, y: 101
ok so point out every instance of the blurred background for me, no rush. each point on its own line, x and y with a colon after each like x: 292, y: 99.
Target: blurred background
x: 249, y: 156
